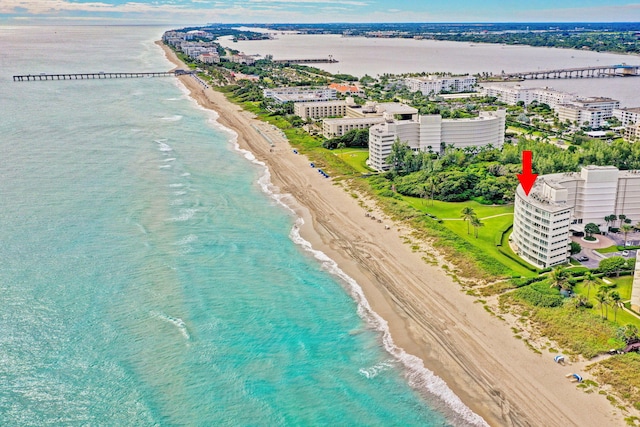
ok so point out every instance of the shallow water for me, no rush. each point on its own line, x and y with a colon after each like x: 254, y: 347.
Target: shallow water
x: 148, y: 277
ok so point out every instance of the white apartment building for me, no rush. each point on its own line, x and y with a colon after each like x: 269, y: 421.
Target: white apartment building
x: 317, y: 110
x: 428, y: 132
x: 627, y: 116
x: 332, y: 128
x: 377, y: 109
x: 606, y: 105
x: 513, y: 94
x: 559, y: 204
x: 436, y: 84
x: 299, y: 94
x: 592, y: 117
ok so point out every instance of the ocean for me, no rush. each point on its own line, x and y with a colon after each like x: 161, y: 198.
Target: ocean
x: 150, y: 276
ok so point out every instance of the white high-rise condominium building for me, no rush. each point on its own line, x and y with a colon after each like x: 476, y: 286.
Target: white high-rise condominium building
x: 559, y: 204
x: 427, y: 133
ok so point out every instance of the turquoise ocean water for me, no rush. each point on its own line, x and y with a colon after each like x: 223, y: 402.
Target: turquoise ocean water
x: 147, y: 275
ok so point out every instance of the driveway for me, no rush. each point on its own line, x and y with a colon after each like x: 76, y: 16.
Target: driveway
x: 589, y: 248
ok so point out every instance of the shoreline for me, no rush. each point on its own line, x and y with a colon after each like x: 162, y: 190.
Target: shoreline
x: 428, y: 315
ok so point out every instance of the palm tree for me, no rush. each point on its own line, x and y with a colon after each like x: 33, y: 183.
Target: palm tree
x: 476, y: 223
x: 626, y: 228
x: 588, y: 281
x: 580, y: 301
x: 558, y: 277
x: 610, y: 219
x: 467, y: 214
x: 601, y: 297
x: 616, y: 303
x: 622, y: 217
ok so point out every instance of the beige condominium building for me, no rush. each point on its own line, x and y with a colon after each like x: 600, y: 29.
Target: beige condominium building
x: 559, y: 204
x: 427, y: 133
x: 365, y: 116
x: 318, y: 110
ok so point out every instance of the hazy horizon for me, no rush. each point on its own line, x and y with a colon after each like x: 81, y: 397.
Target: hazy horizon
x: 199, y: 12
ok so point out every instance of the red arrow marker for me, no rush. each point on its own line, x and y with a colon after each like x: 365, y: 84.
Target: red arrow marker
x: 526, y: 178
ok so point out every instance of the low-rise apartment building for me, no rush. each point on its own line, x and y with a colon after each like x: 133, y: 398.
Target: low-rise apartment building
x: 318, y: 110
x: 627, y: 116
x: 513, y: 94
x: 559, y: 204
x: 332, y: 128
x: 299, y: 94
x: 632, y: 132
x: 436, y: 84
x: 365, y: 116
x: 592, y: 117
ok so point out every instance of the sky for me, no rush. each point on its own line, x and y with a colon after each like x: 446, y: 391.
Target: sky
x: 200, y: 12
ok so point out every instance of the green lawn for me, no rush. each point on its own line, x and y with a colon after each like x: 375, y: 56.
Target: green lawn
x: 495, y: 220
x: 354, y: 157
x: 623, y: 287
x: 452, y: 210
x: 608, y: 250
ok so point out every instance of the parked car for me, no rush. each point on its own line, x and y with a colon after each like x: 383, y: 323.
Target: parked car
x: 582, y: 258
x: 625, y: 253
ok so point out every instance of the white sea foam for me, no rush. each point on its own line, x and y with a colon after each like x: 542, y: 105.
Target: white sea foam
x: 173, y: 118
x: 170, y: 159
x: 186, y: 174
x: 176, y: 185
x: 176, y: 321
x: 186, y: 240
x: 162, y: 145
x: 164, y: 167
x: 179, y: 193
x: 373, y: 371
x: 185, y: 215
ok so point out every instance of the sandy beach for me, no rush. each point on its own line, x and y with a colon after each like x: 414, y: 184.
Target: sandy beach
x: 476, y: 354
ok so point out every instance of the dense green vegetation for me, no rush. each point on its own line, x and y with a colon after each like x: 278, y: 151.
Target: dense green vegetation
x: 353, y: 138
x: 488, y: 174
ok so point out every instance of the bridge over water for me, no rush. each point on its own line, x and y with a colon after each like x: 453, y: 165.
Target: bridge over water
x: 618, y: 70
x: 98, y: 75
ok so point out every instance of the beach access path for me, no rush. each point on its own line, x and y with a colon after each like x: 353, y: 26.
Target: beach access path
x: 428, y: 315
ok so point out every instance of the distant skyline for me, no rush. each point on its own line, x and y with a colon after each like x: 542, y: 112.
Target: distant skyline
x: 200, y: 12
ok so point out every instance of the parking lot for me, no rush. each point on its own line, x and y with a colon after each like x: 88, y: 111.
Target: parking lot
x: 611, y: 239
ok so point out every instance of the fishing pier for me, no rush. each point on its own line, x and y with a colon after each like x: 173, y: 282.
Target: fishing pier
x: 98, y: 75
